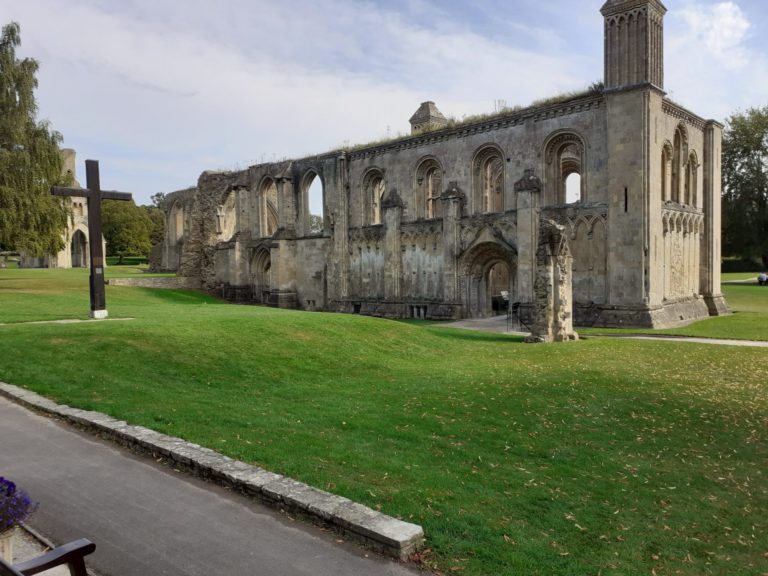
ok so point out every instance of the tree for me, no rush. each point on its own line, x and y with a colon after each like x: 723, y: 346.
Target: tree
x: 157, y: 216
x: 158, y: 200
x: 126, y: 228
x: 31, y: 220
x: 745, y: 185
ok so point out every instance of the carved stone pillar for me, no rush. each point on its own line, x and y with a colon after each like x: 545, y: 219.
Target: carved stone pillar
x: 453, y: 201
x: 286, y: 207
x: 283, y: 252
x: 553, y: 300
x: 339, y: 268
x: 710, y: 244
x: 392, y: 208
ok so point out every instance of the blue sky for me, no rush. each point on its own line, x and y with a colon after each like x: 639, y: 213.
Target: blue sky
x: 160, y: 90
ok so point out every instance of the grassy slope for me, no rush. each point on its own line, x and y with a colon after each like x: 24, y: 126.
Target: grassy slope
x: 602, y: 456
x: 749, y: 320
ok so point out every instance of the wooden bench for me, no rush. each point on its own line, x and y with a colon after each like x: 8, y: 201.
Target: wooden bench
x: 71, y: 555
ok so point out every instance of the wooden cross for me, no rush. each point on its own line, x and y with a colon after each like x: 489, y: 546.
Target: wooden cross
x: 95, y: 195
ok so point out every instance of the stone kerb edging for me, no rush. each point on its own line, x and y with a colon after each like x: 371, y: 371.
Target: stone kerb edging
x: 389, y: 535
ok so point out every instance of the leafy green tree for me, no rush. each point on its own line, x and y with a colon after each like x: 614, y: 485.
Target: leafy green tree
x: 157, y: 216
x: 745, y: 185
x: 31, y: 220
x: 126, y: 228
x: 158, y: 200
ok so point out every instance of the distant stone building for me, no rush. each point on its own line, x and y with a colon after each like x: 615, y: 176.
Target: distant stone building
x: 444, y: 222
x: 75, y: 251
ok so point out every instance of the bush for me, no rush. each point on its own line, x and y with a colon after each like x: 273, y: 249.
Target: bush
x: 740, y: 265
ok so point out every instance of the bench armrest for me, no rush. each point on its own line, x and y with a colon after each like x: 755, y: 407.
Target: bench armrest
x: 71, y: 554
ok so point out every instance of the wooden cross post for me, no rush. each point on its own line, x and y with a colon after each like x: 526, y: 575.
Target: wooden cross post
x: 95, y: 195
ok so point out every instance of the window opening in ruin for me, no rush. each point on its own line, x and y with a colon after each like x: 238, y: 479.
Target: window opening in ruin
x: 434, y: 184
x: 373, y: 190
x: 428, y: 189
x: 564, y: 156
x: 666, y: 172
x: 489, y: 181
x: 573, y: 188
x: 314, y: 201
x: 176, y: 233
x: 679, y: 166
x: 693, y: 172
x: 268, y: 208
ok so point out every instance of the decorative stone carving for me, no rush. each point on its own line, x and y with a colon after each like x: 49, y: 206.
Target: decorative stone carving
x: 528, y: 183
x: 552, y: 303
x: 392, y: 200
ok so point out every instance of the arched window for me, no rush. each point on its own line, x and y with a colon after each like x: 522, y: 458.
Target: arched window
x: 488, y: 180
x: 691, y: 182
x: 564, y: 180
x: 176, y: 224
x: 373, y: 194
x: 429, y: 175
x: 226, y: 216
x: 313, y: 203
x: 573, y: 188
x: 679, y: 160
x: 268, y: 208
x: 666, y: 172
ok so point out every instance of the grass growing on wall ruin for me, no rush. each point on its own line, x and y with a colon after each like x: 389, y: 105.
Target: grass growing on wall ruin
x: 601, y: 456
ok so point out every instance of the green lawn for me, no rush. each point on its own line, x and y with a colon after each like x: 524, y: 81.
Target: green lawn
x: 604, y: 456
x: 749, y: 321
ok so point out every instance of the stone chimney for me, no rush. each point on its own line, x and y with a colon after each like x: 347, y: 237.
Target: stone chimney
x: 427, y: 115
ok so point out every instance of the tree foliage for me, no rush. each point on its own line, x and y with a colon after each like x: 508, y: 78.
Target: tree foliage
x: 127, y: 228
x: 31, y: 220
x: 745, y: 185
x: 157, y: 216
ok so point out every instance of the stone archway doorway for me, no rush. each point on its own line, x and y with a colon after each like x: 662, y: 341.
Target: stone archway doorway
x: 79, y: 250
x: 489, y: 280
x: 261, y: 276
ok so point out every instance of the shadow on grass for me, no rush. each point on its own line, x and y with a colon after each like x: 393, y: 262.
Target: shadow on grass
x: 476, y: 335
x: 181, y: 296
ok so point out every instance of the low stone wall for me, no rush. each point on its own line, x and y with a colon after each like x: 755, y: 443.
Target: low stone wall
x: 171, y: 282
x: 384, y: 533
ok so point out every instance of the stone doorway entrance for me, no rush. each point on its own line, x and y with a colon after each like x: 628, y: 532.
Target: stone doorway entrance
x: 79, y: 250
x: 261, y: 275
x: 489, y: 279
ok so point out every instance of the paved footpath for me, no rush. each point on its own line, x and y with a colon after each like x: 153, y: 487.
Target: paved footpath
x: 148, y: 520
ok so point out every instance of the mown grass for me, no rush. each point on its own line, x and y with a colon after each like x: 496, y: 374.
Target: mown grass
x: 749, y: 321
x: 597, y: 457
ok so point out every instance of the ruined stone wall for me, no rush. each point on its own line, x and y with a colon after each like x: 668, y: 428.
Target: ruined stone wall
x: 409, y: 264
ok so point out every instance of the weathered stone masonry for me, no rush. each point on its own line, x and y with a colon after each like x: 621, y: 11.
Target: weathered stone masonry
x: 434, y: 225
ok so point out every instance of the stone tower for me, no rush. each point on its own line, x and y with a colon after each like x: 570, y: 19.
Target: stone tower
x: 634, y: 43
x: 427, y: 116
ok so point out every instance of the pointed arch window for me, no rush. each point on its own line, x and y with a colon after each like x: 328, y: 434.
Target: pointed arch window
x: 373, y: 194
x: 488, y: 180
x: 565, y: 177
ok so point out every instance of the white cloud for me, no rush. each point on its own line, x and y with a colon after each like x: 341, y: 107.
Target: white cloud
x: 712, y: 65
x: 722, y: 29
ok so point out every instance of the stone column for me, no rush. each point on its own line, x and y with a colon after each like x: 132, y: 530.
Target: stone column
x: 710, y: 243
x: 392, y: 208
x: 286, y: 207
x: 553, y: 303
x: 528, y: 190
x: 453, y: 201
x: 283, y: 252
x: 339, y: 268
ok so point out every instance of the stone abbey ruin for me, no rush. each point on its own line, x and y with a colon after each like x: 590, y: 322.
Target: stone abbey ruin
x: 444, y: 223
